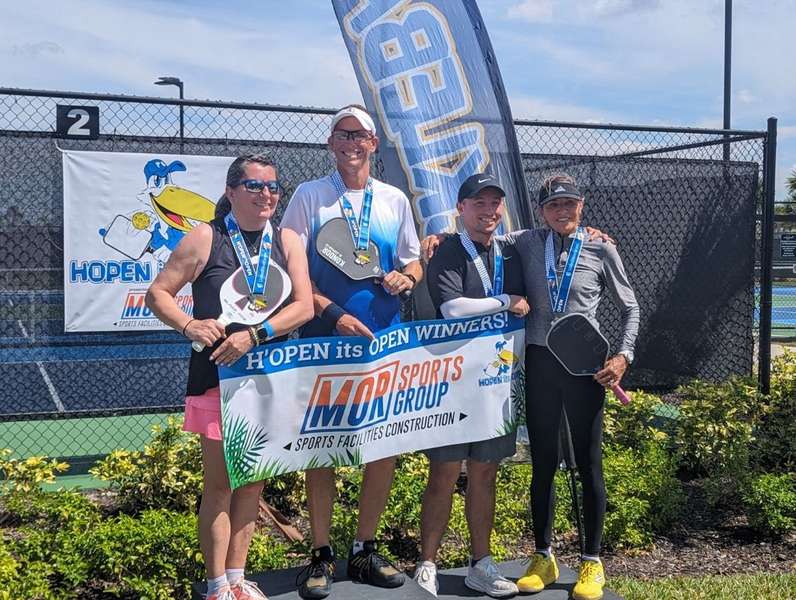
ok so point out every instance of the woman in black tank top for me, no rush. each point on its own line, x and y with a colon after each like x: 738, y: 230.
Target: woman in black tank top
x: 206, y: 258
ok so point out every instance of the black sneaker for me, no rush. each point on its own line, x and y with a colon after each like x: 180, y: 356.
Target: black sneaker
x: 315, y: 580
x: 368, y: 566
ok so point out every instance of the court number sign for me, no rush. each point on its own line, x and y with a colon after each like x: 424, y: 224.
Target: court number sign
x: 78, y: 122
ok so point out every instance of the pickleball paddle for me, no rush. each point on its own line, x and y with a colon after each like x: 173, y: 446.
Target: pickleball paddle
x: 335, y: 245
x: 580, y: 348
x: 237, y: 305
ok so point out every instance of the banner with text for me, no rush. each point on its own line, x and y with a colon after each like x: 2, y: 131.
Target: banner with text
x: 319, y: 402
x: 124, y: 213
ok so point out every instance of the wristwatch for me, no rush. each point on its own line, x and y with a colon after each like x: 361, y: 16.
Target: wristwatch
x: 264, y: 332
x: 627, y: 356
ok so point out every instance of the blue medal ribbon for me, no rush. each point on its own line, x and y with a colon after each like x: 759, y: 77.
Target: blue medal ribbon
x: 255, y: 279
x: 360, y: 230
x: 491, y: 288
x: 559, y: 294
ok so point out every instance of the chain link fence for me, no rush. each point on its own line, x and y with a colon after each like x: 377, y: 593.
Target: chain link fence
x: 679, y: 202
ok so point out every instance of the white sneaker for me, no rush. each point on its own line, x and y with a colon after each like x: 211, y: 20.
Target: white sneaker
x: 486, y: 577
x: 426, y: 577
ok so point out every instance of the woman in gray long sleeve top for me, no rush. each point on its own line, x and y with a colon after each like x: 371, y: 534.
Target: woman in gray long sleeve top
x: 598, y: 272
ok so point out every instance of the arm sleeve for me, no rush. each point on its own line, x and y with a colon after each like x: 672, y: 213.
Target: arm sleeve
x: 295, y: 216
x: 408, y: 247
x: 472, y: 307
x: 623, y: 296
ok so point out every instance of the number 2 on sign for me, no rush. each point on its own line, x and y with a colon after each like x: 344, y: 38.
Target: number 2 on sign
x: 77, y: 128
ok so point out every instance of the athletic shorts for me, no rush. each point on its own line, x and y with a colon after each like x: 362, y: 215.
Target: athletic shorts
x: 492, y: 450
x: 203, y: 414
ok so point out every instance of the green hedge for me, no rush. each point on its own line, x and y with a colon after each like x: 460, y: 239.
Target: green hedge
x: 770, y: 501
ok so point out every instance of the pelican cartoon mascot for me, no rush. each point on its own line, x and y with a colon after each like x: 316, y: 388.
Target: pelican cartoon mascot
x: 179, y: 209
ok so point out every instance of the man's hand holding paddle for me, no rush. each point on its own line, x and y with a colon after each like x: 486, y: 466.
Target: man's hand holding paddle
x: 396, y: 282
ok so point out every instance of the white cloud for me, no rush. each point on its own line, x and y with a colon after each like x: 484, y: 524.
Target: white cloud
x: 611, y: 8
x: 745, y: 97
x: 543, y: 109
x: 126, y: 46
x: 532, y: 11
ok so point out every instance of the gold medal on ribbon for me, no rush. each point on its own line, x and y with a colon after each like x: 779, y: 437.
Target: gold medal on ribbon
x: 362, y: 257
x: 258, y: 302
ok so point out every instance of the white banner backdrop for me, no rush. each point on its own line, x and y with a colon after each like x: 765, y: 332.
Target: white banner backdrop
x: 316, y: 402
x: 123, y: 215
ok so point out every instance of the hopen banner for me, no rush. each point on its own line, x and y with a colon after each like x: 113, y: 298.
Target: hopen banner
x: 124, y: 214
x: 427, y: 71
x: 330, y: 402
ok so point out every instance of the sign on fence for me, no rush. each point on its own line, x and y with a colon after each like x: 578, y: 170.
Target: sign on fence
x: 318, y: 402
x: 124, y: 213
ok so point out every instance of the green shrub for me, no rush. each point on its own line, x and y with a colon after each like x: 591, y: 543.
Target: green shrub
x: 46, y: 544
x: 167, y: 474
x: 644, y: 496
x: 154, y: 555
x: 646, y: 419
x: 51, y: 511
x: 776, y: 434
x: 9, y: 569
x: 266, y: 553
x: 715, y: 427
x: 770, y: 501
x: 26, y: 475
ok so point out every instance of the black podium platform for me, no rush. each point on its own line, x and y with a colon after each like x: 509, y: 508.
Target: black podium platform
x: 281, y: 585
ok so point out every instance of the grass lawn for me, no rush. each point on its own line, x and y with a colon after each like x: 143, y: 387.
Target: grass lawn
x: 766, y: 586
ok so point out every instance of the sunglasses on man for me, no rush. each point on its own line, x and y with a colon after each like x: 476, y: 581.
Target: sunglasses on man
x: 360, y: 135
x: 256, y: 186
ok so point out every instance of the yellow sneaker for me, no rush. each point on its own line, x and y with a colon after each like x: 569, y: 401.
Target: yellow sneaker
x: 541, y: 572
x: 591, y: 580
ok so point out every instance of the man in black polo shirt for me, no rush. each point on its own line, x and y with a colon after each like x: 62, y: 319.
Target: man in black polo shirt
x: 471, y: 274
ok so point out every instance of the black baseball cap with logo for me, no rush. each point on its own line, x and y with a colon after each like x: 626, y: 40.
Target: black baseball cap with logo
x: 475, y: 183
x: 558, y: 189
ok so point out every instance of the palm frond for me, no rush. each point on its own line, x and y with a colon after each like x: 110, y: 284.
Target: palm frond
x: 509, y: 426
x: 346, y: 459
x: 313, y: 463
x: 243, y: 443
x: 268, y: 469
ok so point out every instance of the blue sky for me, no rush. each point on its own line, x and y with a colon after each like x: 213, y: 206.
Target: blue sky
x: 620, y: 61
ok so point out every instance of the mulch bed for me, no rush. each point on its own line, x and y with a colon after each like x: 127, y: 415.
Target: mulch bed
x: 706, y: 541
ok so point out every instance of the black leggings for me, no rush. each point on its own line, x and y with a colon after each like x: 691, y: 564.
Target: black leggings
x: 547, y: 385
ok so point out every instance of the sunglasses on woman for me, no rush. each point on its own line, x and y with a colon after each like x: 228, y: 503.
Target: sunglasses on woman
x: 256, y: 186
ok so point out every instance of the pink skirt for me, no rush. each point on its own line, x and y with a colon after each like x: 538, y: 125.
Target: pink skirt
x: 203, y: 414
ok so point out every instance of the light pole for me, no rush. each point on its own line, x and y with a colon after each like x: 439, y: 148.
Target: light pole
x: 178, y: 82
x: 727, y: 69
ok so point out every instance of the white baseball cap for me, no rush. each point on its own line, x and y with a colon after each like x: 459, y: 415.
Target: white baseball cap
x: 360, y: 115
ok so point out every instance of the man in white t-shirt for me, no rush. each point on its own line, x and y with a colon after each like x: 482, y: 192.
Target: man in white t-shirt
x: 347, y: 307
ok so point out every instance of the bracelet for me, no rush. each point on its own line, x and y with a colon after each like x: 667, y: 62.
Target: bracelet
x: 184, y: 327
x: 268, y: 329
x: 411, y: 278
x: 253, y: 335
x: 332, y: 313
